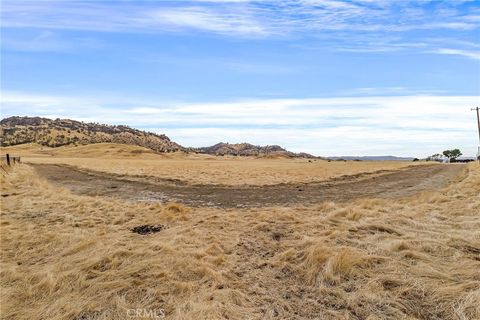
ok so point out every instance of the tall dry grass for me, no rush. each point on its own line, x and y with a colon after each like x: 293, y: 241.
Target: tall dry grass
x: 74, y: 257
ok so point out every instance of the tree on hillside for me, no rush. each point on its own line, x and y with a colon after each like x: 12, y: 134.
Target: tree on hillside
x: 452, y: 154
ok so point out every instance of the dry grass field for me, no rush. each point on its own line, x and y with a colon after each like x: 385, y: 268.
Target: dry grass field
x: 71, y: 256
x: 195, y: 168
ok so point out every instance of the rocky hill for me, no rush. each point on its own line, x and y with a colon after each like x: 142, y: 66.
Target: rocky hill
x: 59, y: 132
x: 247, y: 149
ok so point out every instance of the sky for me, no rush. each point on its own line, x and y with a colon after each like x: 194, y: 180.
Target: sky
x: 327, y: 77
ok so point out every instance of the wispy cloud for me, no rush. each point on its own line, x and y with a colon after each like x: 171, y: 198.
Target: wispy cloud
x: 247, y: 18
x: 401, y: 125
x: 48, y: 41
x: 469, y: 54
x: 236, y: 65
x: 206, y: 19
x: 339, y: 24
x: 150, y: 17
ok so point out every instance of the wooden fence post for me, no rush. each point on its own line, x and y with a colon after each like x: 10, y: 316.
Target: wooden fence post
x: 8, y: 159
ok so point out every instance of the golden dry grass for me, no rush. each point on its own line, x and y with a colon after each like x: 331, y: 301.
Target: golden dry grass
x: 199, y: 169
x: 73, y: 257
x: 98, y: 150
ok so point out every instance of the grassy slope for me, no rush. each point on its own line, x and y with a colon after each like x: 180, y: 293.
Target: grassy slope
x: 97, y: 150
x: 73, y: 257
x: 60, y: 132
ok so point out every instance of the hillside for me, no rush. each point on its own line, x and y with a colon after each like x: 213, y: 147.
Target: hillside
x: 247, y: 149
x: 61, y: 132
x: 64, y: 132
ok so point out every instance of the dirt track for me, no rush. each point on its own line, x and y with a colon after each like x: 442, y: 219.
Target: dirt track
x: 389, y: 184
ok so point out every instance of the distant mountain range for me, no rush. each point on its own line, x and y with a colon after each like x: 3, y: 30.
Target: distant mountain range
x: 60, y: 132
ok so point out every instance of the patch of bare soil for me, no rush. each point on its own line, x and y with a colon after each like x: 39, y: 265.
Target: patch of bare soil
x: 384, y: 184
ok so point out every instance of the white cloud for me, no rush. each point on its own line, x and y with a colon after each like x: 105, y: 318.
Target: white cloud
x: 339, y: 25
x: 209, y: 20
x: 235, y: 17
x: 364, y: 125
x: 368, y: 26
x: 464, y: 53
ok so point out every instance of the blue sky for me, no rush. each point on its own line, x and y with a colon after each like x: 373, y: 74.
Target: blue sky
x: 329, y: 77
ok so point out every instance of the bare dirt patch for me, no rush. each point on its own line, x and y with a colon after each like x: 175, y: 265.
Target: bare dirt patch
x: 383, y: 184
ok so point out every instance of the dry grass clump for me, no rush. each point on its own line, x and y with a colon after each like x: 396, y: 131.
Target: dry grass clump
x: 404, y: 258
x: 323, y: 264
x: 74, y: 257
x: 71, y: 257
x: 175, y: 211
x: 343, y: 264
x: 316, y: 257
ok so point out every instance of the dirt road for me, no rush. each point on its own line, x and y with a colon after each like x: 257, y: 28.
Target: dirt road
x: 389, y: 184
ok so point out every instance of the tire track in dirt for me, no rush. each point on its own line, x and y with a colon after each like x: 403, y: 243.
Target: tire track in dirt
x: 386, y: 184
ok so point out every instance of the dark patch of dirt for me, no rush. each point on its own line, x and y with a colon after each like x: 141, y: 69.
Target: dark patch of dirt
x: 148, y: 229
x: 382, y: 184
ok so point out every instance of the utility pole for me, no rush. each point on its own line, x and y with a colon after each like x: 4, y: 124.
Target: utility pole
x: 478, y: 122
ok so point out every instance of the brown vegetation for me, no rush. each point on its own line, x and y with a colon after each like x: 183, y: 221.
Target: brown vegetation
x: 74, y: 257
x: 250, y: 150
x: 380, y: 184
x: 65, y: 132
x: 198, y: 168
x: 60, y: 132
